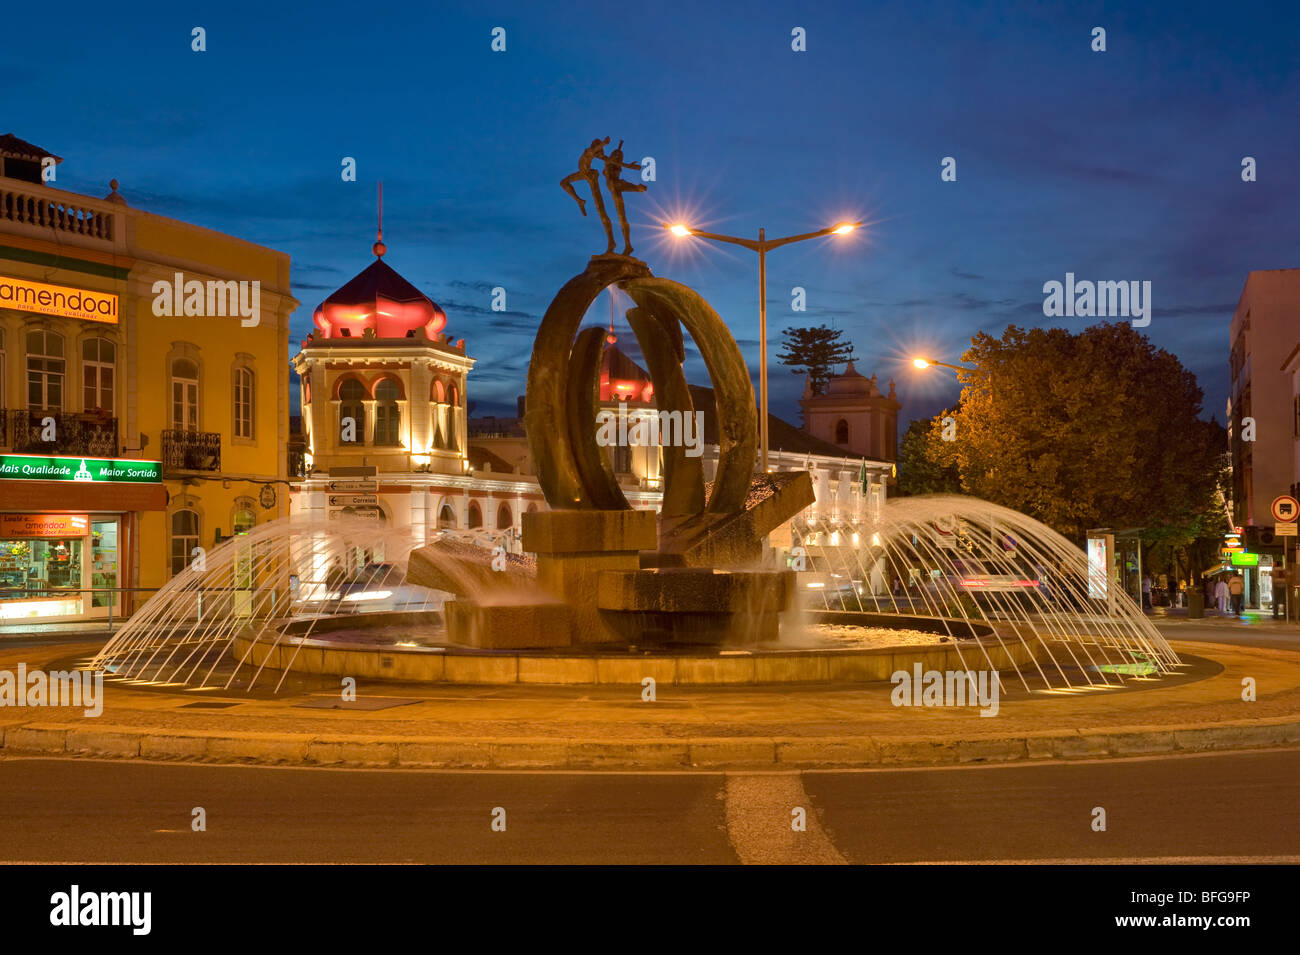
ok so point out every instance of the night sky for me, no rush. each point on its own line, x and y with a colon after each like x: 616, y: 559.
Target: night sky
x: 1119, y: 165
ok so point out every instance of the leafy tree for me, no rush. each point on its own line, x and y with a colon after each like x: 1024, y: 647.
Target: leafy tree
x: 918, y: 472
x: 1091, y: 429
x: 815, y: 350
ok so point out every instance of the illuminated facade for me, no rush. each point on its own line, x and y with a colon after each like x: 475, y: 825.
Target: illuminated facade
x: 128, y: 438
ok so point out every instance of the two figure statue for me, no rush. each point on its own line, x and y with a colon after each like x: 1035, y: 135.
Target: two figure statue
x: 614, y: 182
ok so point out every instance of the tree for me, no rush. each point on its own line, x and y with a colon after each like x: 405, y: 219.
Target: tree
x: 1094, y: 429
x: 815, y: 350
x: 918, y: 472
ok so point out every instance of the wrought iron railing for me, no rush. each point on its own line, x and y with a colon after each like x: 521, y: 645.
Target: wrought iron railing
x: 191, y: 451
x: 59, y: 432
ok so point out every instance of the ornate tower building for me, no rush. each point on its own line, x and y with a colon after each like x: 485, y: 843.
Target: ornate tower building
x: 852, y: 414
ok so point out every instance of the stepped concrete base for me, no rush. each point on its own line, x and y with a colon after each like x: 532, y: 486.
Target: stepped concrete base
x: 574, y: 547
x: 512, y: 627
x: 695, y: 605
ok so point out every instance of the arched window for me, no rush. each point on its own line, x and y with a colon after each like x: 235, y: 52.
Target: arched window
x: 841, y: 432
x: 244, y: 520
x: 438, y: 394
x: 450, y: 439
x: 447, y: 517
x: 98, y: 361
x: 475, y: 515
x: 46, y: 368
x: 185, y: 537
x: 388, y: 418
x: 351, y: 395
x: 243, y: 399
x: 504, y: 519
x: 185, y: 395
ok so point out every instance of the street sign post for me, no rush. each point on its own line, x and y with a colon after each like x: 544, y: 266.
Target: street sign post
x: 1286, y: 509
x: 353, y: 500
x: 355, y: 487
x: 1285, y: 530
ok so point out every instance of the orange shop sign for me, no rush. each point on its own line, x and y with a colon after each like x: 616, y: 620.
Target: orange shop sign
x: 59, y: 300
x: 44, y: 525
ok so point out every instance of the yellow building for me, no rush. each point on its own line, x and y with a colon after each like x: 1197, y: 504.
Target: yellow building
x: 144, y: 391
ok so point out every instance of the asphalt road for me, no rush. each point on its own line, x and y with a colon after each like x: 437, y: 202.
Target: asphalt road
x: 1232, y: 807
x: 1238, y: 633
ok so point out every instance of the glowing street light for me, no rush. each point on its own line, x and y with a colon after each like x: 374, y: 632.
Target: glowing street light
x: 927, y: 362
x: 762, y: 245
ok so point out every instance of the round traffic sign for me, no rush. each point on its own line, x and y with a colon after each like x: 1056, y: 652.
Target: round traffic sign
x: 1285, y: 508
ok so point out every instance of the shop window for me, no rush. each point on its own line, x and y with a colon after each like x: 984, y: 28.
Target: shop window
x: 46, y: 368
x: 475, y: 515
x: 44, y: 573
x: 841, y: 432
x: 98, y: 362
x: 243, y: 388
x: 447, y: 517
x: 504, y: 519
x: 185, y: 537
x: 387, y: 415
x: 185, y: 395
x: 351, y: 395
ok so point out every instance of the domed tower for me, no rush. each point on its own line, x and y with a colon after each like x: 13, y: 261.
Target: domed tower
x: 381, y: 383
x: 854, y: 415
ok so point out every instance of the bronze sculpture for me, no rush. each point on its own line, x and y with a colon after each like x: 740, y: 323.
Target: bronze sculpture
x: 614, y: 167
x: 595, y: 151
x: 614, y: 181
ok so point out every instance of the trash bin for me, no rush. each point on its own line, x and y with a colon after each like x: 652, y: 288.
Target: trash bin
x: 1195, y: 603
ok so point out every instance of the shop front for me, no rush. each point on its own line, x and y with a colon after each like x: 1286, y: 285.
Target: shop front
x: 67, y: 535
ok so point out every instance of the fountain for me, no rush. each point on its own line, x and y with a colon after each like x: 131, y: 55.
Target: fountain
x: 609, y: 594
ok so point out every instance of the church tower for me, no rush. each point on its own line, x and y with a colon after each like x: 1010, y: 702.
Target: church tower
x: 852, y: 414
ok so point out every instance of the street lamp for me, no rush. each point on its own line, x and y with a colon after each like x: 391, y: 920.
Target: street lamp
x: 927, y: 362
x: 762, y: 245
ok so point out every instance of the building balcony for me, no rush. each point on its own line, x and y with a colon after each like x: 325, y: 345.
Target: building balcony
x: 46, y: 209
x: 191, y: 451
x: 90, y: 433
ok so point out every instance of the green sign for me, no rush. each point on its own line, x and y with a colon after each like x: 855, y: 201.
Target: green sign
x: 1245, y: 560
x: 83, y: 470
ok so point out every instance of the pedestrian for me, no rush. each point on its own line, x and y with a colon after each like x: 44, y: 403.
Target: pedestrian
x: 1146, y: 592
x: 1221, y: 595
x: 1237, y: 588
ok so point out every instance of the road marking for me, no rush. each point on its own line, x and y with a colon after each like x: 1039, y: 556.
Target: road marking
x: 759, y: 814
x: 1118, y: 860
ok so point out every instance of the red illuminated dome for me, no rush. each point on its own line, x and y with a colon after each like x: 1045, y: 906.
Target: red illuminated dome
x: 382, y: 300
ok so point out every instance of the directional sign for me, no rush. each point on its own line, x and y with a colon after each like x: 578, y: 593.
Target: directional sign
x: 355, y: 487
x: 1285, y: 509
x: 353, y: 500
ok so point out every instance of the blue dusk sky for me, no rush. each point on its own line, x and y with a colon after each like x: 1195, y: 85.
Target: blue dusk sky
x: 1115, y: 165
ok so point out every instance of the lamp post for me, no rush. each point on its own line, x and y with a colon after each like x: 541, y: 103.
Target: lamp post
x: 762, y: 245
x: 927, y: 362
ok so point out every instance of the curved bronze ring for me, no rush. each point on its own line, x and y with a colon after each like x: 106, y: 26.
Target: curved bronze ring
x: 560, y: 404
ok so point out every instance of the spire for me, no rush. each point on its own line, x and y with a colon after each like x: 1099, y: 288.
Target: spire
x: 379, y: 248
